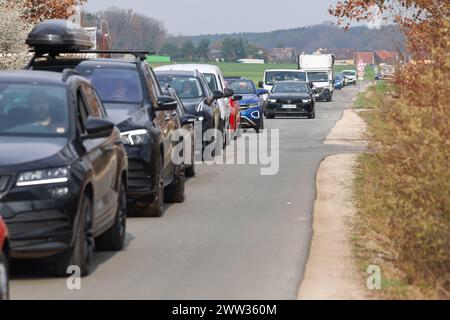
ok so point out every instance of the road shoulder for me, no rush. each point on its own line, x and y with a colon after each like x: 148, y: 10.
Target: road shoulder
x: 331, y: 272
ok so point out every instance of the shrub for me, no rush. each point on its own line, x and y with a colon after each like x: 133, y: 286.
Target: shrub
x: 404, y: 194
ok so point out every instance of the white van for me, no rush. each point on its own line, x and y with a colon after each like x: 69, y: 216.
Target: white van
x: 273, y: 75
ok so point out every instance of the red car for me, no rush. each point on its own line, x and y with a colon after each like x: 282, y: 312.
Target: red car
x: 235, y: 108
x: 4, y: 277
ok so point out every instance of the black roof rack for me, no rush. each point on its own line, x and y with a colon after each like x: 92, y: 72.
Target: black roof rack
x: 140, y: 54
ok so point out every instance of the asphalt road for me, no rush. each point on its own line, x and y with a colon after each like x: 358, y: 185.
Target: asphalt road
x: 239, y: 235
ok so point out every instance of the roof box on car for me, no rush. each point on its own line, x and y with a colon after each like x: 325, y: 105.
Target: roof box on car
x: 52, y: 35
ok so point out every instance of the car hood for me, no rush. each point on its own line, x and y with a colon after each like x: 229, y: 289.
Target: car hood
x: 122, y: 112
x: 20, y: 150
x: 249, y: 98
x: 289, y: 96
x: 192, y: 106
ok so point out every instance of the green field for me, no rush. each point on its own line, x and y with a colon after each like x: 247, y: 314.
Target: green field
x: 255, y: 72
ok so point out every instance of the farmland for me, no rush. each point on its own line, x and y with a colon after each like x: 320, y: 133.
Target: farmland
x: 255, y: 72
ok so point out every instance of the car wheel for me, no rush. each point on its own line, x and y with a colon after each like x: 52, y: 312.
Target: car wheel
x: 261, y: 126
x: 4, y: 277
x: 190, y: 171
x: 114, y: 238
x: 155, y: 209
x: 83, y: 250
x: 174, y: 193
x: 312, y: 115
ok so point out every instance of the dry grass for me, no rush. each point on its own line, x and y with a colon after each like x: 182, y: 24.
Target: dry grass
x: 403, y: 187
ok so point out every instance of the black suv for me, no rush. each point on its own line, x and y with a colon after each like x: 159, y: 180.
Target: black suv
x: 134, y: 101
x: 196, y: 96
x: 63, y: 169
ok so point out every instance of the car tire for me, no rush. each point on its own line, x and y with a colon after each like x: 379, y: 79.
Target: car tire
x: 312, y: 115
x: 83, y: 249
x: 175, y: 192
x: 114, y: 238
x: 261, y: 125
x: 190, y: 171
x: 155, y: 209
x: 4, y: 277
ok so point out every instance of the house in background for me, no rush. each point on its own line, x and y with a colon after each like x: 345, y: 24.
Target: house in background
x: 388, y: 57
x: 283, y: 55
x: 367, y: 57
x: 343, y: 56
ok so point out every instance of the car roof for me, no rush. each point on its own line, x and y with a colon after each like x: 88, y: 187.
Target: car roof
x: 290, y: 81
x: 26, y: 76
x: 177, y: 72
x: 204, y: 68
x: 278, y: 70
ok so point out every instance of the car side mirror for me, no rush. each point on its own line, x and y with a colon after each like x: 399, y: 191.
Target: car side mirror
x: 166, y: 103
x: 237, y: 97
x: 217, y: 94
x: 227, y: 92
x: 98, y: 128
x: 190, y: 119
x: 260, y: 84
x: 261, y: 92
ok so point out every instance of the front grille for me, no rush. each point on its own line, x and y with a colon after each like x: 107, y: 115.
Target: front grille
x: 289, y: 101
x: 33, y: 224
x: 4, y: 180
x: 138, y: 175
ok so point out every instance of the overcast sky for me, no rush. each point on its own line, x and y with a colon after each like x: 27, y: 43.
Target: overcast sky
x: 192, y: 17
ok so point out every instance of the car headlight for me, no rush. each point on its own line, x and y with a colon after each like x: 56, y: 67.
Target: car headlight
x: 252, y: 105
x: 306, y: 100
x: 272, y: 100
x: 39, y: 177
x: 134, y: 137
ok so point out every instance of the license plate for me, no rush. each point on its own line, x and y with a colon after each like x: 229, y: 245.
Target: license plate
x: 289, y: 106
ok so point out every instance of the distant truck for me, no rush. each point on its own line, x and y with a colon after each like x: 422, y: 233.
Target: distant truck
x: 319, y: 71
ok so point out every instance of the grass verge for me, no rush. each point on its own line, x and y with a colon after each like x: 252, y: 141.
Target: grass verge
x: 402, y: 189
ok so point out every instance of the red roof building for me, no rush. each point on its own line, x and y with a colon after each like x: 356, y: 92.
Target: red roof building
x: 383, y: 56
x: 366, y: 57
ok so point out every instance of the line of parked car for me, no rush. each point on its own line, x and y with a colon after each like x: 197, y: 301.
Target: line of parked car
x: 87, y: 141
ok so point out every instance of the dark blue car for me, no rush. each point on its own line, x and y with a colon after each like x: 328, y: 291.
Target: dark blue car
x: 252, y: 116
x: 339, y: 82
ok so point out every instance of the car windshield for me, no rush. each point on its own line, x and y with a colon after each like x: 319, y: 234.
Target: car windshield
x: 242, y: 86
x: 318, y: 76
x: 211, y: 80
x: 33, y: 110
x: 349, y: 73
x: 294, y: 87
x: 274, y: 76
x: 115, y: 85
x: 185, y: 86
